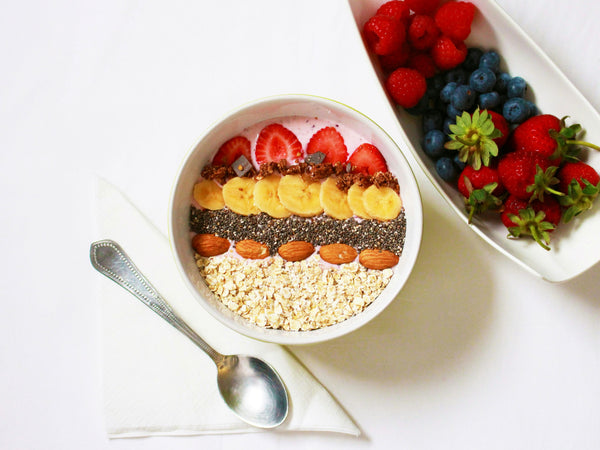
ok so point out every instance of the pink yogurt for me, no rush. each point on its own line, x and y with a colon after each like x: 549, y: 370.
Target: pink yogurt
x: 304, y: 128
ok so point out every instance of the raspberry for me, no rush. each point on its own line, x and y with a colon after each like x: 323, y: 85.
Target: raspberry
x: 448, y: 54
x: 454, y: 19
x: 422, y: 6
x: 384, y: 35
x: 422, y: 32
x: 406, y: 86
x: 397, y: 9
x: 423, y: 63
x: 397, y: 59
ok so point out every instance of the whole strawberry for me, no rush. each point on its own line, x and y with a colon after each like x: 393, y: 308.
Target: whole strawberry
x: 481, y: 189
x: 581, y: 184
x: 527, y: 176
x: 500, y: 124
x: 536, y: 219
x: 549, y: 136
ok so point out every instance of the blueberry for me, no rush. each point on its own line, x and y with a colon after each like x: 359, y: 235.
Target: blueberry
x: 516, y: 87
x: 433, y: 119
x: 489, y: 100
x: 463, y: 98
x: 460, y: 165
x: 482, y: 80
x: 515, y: 110
x: 433, y: 143
x: 471, y: 62
x: 533, y: 110
x: 447, y: 122
x: 457, y: 75
x: 446, y: 168
x: 420, y: 107
x: 490, y: 60
x: 436, y: 82
x: 452, y: 112
x: 501, y: 81
x: 447, y: 91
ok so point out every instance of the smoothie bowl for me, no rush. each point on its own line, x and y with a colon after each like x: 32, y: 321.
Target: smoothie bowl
x: 295, y: 219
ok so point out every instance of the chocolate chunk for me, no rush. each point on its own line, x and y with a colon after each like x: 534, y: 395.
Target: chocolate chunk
x: 315, y: 158
x: 241, y: 166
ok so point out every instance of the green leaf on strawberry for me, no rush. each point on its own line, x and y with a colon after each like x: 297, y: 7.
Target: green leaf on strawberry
x: 481, y: 200
x: 578, y: 198
x: 473, y: 137
x: 543, y: 180
x: 530, y: 223
x: 567, y: 141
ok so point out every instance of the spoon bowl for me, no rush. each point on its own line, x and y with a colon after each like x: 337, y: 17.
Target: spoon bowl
x: 249, y: 386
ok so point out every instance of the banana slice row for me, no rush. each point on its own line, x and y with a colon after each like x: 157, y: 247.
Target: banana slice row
x: 281, y: 197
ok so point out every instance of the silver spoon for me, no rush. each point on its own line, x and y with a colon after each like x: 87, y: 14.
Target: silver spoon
x: 249, y: 386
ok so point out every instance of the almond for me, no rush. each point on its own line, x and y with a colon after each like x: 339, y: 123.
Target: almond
x: 296, y: 250
x: 209, y: 244
x: 338, y: 253
x: 378, y: 259
x: 249, y: 248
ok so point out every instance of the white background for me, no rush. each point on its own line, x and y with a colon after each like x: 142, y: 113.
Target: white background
x: 476, y: 353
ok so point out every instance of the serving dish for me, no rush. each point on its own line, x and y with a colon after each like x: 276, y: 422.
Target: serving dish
x: 273, y: 108
x: 573, y: 252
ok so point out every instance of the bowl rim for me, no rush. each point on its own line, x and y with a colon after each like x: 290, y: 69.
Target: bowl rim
x: 353, y: 323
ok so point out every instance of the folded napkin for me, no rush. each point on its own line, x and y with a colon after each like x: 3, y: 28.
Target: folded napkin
x: 156, y: 381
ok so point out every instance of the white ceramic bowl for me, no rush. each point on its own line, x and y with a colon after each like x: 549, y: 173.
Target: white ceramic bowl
x: 573, y: 251
x: 270, y: 109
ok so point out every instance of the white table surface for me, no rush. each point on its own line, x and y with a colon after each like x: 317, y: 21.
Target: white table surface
x: 476, y: 353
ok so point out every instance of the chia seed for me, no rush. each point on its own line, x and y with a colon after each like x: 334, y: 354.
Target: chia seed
x: 319, y: 230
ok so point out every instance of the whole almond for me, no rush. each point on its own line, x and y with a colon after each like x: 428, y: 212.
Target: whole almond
x: 296, y: 250
x: 378, y: 259
x: 338, y: 253
x: 207, y: 244
x: 249, y: 248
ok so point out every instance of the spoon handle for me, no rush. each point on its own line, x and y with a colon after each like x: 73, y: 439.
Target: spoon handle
x: 110, y: 259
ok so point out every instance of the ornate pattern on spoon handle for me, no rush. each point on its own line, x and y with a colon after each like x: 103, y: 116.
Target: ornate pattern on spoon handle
x: 110, y: 259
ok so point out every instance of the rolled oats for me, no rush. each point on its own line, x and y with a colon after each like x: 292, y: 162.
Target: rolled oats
x: 298, y: 296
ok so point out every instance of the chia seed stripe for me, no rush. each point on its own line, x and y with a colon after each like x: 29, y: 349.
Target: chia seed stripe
x: 318, y: 230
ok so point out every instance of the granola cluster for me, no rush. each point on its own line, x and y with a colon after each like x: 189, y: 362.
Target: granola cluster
x: 297, y: 296
x: 313, y: 172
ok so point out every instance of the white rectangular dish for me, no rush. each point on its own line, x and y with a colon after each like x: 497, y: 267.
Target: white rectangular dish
x: 575, y: 246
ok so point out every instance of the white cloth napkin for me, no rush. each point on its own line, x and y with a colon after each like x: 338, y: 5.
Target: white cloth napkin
x: 156, y: 382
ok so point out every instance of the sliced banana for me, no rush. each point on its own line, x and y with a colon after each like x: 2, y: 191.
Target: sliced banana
x: 382, y: 203
x: 238, y: 194
x: 334, y: 201
x: 355, y: 201
x: 266, y: 198
x: 209, y: 195
x: 299, y: 196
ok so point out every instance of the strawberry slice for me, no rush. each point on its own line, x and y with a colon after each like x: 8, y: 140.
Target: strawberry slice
x: 329, y: 142
x: 275, y: 142
x: 232, y: 150
x: 367, y: 159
